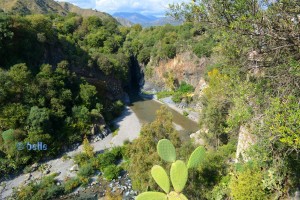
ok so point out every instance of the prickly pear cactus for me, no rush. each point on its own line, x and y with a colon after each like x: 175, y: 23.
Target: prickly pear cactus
x: 166, y: 150
x: 178, y: 172
x: 152, y: 196
x: 179, y: 175
x: 196, y: 157
x: 161, y: 178
x: 176, y: 196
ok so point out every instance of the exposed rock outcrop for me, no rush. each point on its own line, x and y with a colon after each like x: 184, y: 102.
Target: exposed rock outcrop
x: 245, y: 141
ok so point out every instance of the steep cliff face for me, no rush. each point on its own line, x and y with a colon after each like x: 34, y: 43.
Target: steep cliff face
x: 184, y: 67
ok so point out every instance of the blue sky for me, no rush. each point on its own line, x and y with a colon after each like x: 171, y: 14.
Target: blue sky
x: 154, y: 7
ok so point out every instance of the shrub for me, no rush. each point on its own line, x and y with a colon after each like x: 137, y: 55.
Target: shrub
x: 111, y: 172
x: 71, y: 184
x: 185, y: 113
x: 247, y: 185
x: 164, y: 94
x: 86, y: 170
x: 106, y: 159
x: 81, y: 159
x: 204, y: 47
x: 185, y: 88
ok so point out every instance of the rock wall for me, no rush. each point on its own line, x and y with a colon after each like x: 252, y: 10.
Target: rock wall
x: 245, y: 141
x: 184, y: 67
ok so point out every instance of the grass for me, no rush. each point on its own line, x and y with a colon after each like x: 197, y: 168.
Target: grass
x: 115, y: 132
x: 164, y: 94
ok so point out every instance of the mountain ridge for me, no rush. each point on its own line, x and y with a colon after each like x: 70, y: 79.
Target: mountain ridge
x: 144, y: 20
x: 26, y: 7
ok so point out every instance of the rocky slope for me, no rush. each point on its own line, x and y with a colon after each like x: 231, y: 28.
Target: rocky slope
x: 184, y: 67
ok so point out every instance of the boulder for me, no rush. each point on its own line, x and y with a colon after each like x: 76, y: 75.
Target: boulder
x: 74, y: 168
x: 34, y: 167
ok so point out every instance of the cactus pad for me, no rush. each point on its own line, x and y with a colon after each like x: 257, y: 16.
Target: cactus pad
x: 152, y: 196
x: 196, y: 157
x: 161, y: 178
x: 179, y: 175
x: 166, y: 150
x: 176, y: 196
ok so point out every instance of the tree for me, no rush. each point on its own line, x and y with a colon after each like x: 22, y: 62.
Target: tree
x: 38, y: 119
x: 88, y: 148
x: 140, y: 165
x: 88, y: 94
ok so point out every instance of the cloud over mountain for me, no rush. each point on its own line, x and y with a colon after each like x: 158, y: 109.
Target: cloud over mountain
x: 112, y: 6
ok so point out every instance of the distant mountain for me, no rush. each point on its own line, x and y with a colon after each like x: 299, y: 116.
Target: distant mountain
x: 26, y: 7
x: 124, y: 22
x: 144, y: 20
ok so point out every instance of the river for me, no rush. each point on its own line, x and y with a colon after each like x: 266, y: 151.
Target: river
x: 145, y: 109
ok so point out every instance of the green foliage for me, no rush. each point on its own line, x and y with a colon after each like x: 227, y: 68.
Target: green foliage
x: 283, y: 122
x: 71, y: 184
x: 88, y: 148
x: 164, y: 94
x: 204, y: 47
x: 183, y: 91
x: 8, y: 135
x: 81, y: 159
x: 86, y: 170
x: 106, y: 159
x: 247, y: 185
x: 139, y: 166
x: 45, y: 189
x: 111, y: 172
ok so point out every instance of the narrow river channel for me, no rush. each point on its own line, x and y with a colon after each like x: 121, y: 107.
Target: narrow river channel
x: 145, y: 109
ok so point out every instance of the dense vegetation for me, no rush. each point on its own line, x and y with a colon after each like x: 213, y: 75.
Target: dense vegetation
x: 48, y: 92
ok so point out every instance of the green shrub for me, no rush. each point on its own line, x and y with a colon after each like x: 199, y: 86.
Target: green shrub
x: 106, y: 159
x: 185, y: 113
x: 247, y: 185
x: 81, y: 159
x: 111, y: 172
x: 164, y: 94
x: 86, y: 170
x: 204, y: 47
x: 185, y: 88
x: 117, y: 152
x: 177, y: 97
x: 71, y: 184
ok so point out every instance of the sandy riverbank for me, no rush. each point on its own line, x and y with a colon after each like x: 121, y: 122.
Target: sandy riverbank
x: 129, y: 129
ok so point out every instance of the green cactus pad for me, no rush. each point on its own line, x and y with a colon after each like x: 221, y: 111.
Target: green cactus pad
x: 196, y: 157
x: 179, y: 175
x: 152, y: 196
x: 176, y: 196
x: 166, y: 150
x: 161, y: 178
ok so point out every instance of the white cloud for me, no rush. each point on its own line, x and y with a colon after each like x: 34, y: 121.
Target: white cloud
x: 141, y: 6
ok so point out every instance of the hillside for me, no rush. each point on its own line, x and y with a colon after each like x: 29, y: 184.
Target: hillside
x: 27, y: 7
x: 32, y: 7
x: 84, y: 12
